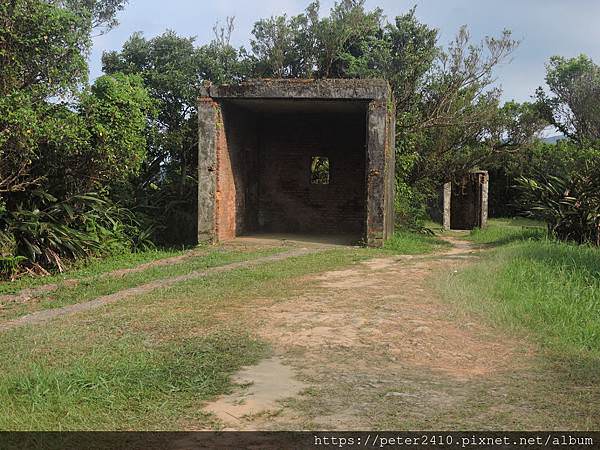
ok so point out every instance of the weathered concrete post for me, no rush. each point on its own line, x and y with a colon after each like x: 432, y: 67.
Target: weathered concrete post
x: 208, y: 118
x: 447, y: 204
x: 484, y: 179
x: 375, y: 172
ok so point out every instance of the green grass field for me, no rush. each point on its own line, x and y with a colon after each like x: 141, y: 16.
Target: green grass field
x: 549, y: 290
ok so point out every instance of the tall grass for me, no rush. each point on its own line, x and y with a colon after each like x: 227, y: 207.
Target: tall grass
x: 549, y: 289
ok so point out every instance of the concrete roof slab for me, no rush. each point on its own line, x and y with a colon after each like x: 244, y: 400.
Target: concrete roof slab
x: 322, y: 89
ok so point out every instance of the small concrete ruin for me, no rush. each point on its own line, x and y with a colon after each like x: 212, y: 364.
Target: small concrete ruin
x: 304, y: 157
x: 466, y: 202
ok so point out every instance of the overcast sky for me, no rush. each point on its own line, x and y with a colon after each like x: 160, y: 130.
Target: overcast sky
x: 546, y: 27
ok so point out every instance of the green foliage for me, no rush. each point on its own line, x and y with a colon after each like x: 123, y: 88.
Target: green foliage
x: 409, y: 206
x: 569, y: 205
x: 73, y: 229
x: 42, y: 47
x: 116, y: 110
x: 54, y: 152
x: 102, y: 12
x: 574, y: 108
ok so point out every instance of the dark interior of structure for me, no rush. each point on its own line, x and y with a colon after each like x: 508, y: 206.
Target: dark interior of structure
x: 465, y: 205
x: 297, y: 166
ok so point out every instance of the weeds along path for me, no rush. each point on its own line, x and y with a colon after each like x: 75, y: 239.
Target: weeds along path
x: 373, y: 346
x: 49, y: 314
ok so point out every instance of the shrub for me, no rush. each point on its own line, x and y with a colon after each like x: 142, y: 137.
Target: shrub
x: 51, y: 233
x: 570, y: 205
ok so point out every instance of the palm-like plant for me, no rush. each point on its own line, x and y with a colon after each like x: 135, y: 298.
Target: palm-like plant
x: 47, y: 236
x: 570, y: 205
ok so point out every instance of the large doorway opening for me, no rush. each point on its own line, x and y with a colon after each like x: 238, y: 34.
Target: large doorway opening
x: 293, y: 168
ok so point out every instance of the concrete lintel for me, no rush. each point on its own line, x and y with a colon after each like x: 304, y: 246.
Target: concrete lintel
x: 326, y: 89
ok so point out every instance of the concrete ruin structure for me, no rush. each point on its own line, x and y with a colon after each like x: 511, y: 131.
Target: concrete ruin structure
x: 466, y: 202
x: 305, y: 157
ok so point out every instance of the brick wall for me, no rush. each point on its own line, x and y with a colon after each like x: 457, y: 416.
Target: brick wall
x: 263, y: 180
x: 225, y: 196
x: 238, y: 171
x: 288, y: 202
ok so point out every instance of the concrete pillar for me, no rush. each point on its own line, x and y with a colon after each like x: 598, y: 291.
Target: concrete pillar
x: 485, y: 187
x: 447, y: 204
x: 376, y: 140
x: 208, y: 120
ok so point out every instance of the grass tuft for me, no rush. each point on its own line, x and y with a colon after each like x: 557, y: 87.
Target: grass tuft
x: 410, y: 243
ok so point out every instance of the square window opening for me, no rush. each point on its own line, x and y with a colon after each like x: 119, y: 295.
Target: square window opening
x: 319, y: 170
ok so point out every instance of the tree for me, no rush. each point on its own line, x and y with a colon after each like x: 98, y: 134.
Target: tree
x: 42, y: 48
x: 284, y: 48
x: 173, y: 68
x: 101, y: 12
x: 453, y: 126
x: 574, y: 107
x: 97, y: 143
x: 42, y: 54
x: 59, y: 139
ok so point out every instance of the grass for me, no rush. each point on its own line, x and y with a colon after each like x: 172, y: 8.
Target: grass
x: 96, y: 286
x: 92, y: 282
x: 547, y: 289
x: 409, y: 243
x: 148, y: 363
x: 90, y: 268
x: 504, y: 231
x: 123, y: 383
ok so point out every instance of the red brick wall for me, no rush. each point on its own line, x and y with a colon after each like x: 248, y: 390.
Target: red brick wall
x: 263, y: 173
x: 226, y: 192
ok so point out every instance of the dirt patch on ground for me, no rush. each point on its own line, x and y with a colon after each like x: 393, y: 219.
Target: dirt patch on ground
x: 385, y: 303
x: 380, y: 349
x: 261, y: 389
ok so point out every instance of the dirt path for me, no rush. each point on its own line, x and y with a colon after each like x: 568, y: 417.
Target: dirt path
x: 374, y: 347
x: 49, y: 314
